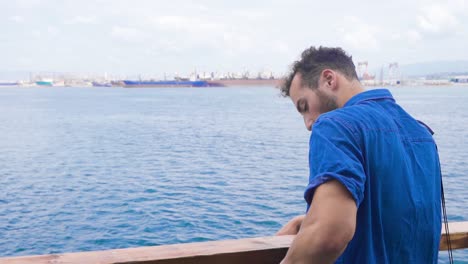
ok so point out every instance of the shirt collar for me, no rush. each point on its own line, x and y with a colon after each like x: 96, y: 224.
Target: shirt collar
x: 370, y: 95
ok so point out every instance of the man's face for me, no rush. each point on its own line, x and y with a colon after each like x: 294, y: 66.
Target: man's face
x: 310, y: 103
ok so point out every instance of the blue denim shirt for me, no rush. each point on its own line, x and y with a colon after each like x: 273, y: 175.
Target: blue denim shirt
x: 389, y: 163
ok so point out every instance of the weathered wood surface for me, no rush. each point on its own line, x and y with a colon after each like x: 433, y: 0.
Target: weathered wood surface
x: 262, y: 250
x: 458, y: 236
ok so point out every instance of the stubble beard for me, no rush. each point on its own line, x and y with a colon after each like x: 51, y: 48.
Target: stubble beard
x: 327, y: 103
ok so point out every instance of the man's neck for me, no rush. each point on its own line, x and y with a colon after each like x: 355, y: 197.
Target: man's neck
x: 352, y: 88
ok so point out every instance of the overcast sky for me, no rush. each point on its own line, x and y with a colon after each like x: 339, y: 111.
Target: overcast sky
x: 152, y: 37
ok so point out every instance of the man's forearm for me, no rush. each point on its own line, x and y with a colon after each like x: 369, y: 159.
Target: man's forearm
x: 313, y: 245
x: 327, y: 228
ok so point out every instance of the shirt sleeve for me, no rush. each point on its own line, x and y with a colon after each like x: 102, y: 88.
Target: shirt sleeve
x: 335, y: 154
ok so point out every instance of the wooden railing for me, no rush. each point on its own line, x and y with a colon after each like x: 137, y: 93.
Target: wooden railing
x: 263, y: 250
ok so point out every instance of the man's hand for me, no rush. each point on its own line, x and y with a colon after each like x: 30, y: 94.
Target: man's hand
x: 292, y: 227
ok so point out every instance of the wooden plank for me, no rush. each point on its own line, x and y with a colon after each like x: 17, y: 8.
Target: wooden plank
x: 262, y: 250
x: 458, y: 236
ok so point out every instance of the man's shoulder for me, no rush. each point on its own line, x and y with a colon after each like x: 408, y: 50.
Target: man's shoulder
x: 348, y: 116
x: 357, y: 119
x: 336, y: 122
x: 368, y: 114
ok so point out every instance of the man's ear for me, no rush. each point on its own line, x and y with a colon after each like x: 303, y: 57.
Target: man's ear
x: 329, y: 78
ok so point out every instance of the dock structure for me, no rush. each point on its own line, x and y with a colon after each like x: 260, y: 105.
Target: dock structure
x: 262, y: 250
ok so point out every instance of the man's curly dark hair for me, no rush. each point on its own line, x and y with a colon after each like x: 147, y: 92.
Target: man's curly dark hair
x: 313, y: 61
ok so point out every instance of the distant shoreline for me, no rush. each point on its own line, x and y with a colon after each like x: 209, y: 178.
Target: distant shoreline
x: 231, y: 85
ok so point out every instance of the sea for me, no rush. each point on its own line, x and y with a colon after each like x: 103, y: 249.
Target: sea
x: 104, y: 168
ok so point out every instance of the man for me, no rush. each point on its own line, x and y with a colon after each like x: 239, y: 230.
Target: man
x: 375, y: 185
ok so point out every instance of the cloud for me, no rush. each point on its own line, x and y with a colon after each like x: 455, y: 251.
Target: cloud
x: 236, y: 33
x: 49, y: 31
x: 36, y: 33
x: 359, y: 35
x: 126, y: 33
x: 27, y: 4
x: 413, y: 36
x: 188, y: 33
x: 437, y: 19
x: 17, y: 19
x: 235, y: 43
x: 23, y: 61
x: 250, y: 14
x: 281, y: 47
x: 52, y: 31
x: 81, y: 20
x: 396, y: 36
x: 187, y: 24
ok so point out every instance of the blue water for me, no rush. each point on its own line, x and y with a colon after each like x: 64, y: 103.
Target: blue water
x: 103, y: 168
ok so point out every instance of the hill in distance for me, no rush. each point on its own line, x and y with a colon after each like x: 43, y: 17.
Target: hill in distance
x: 458, y: 67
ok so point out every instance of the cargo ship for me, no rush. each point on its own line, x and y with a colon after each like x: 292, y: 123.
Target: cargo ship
x: 45, y: 82
x: 200, y: 83
x: 8, y: 83
x: 246, y: 82
x: 101, y: 84
x: 162, y: 84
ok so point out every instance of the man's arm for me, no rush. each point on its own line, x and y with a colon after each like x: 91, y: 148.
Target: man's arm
x: 327, y: 228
